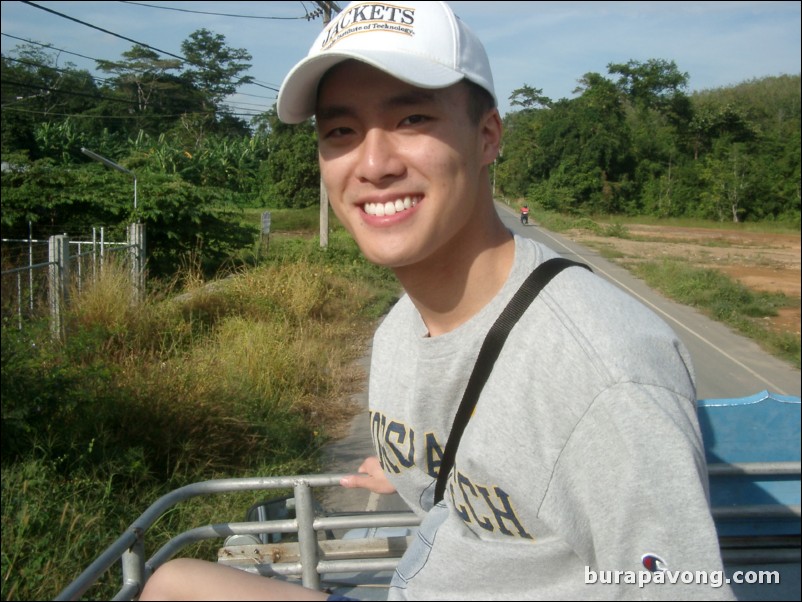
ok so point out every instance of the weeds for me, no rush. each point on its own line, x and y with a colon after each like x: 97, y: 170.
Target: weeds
x: 557, y: 222
x: 725, y: 300
x: 247, y: 375
x: 721, y: 297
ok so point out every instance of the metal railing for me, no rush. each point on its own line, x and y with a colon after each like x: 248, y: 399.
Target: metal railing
x: 129, y: 548
x: 761, y: 526
x: 309, y: 559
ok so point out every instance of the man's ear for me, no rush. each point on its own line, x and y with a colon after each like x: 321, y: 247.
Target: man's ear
x: 490, y: 129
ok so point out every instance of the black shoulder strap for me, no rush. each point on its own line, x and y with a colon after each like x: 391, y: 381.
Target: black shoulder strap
x: 491, y: 347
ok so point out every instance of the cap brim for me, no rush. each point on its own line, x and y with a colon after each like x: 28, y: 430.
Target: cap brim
x: 298, y: 94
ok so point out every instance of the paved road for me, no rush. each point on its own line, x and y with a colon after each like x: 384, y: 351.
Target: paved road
x: 727, y: 364
x: 346, y: 454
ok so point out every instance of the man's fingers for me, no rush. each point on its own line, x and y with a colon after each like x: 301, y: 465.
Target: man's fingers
x: 369, y: 482
x: 370, y: 477
x: 352, y: 480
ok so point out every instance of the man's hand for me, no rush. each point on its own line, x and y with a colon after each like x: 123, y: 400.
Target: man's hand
x: 371, y: 477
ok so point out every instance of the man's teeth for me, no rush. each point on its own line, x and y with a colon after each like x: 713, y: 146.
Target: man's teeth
x: 391, y: 207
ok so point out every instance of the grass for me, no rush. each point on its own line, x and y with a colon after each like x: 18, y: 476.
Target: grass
x: 247, y: 375
x: 286, y: 220
x: 717, y: 295
x: 687, y: 222
x: 606, y: 225
x: 724, y: 300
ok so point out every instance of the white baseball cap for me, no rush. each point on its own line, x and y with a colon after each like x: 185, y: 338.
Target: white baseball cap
x: 421, y: 43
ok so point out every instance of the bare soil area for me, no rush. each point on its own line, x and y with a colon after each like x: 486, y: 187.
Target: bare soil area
x: 761, y: 261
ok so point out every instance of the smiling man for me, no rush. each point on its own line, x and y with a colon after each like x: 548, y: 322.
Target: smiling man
x: 582, y: 455
x: 406, y: 170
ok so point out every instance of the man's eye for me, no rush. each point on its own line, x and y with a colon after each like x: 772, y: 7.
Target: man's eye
x: 338, y: 132
x: 414, y: 120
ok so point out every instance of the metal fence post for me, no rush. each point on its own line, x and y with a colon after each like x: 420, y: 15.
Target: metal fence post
x: 30, y: 269
x: 136, y: 242
x: 264, y: 237
x: 58, y: 277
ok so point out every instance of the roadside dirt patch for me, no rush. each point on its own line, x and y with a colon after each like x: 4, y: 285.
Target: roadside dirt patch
x: 760, y: 261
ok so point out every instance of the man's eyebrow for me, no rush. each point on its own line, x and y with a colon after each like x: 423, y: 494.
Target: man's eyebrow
x: 405, y: 99
x: 333, y: 112
x: 415, y: 97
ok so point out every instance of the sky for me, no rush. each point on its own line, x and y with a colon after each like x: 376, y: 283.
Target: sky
x: 546, y: 45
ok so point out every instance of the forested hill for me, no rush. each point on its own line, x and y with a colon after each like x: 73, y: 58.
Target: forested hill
x: 634, y: 142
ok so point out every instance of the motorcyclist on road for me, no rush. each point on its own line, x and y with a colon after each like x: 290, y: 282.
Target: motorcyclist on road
x: 525, y: 214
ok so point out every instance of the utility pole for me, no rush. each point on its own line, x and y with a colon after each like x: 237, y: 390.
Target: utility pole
x: 326, y: 7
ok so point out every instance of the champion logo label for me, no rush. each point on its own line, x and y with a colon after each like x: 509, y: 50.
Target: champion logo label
x: 653, y: 563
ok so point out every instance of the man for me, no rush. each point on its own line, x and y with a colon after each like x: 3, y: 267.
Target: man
x: 583, y: 456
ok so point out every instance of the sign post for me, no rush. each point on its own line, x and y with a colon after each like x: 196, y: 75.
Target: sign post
x: 264, y: 237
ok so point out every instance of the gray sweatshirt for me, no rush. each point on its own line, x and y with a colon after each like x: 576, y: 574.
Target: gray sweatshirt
x: 581, y: 474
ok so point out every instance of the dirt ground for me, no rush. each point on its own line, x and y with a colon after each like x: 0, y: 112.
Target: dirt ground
x: 761, y: 261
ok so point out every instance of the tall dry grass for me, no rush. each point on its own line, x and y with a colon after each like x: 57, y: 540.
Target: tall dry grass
x: 247, y: 375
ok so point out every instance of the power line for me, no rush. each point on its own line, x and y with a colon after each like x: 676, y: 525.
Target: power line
x: 117, y: 35
x: 83, y: 56
x: 60, y: 70
x: 65, y: 92
x: 181, y: 58
x: 119, y: 117
x: 267, y: 86
x: 105, y: 81
x: 198, y: 12
x: 255, y: 95
x: 104, y: 117
x: 48, y: 90
x: 244, y: 105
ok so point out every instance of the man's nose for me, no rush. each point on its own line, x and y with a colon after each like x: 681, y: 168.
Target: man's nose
x: 379, y: 158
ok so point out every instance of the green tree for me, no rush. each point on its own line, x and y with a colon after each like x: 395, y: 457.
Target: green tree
x: 515, y: 169
x: 59, y: 140
x: 711, y: 121
x: 69, y: 198
x: 35, y: 89
x: 656, y: 84
x: 290, y: 176
x: 727, y: 174
x: 760, y: 119
x: 140, y: 76
x: 598, y: 154
x: 185, y: 221
x: 143, y: 79
x: 528, y: 97
x: 518, y: 163
x: 215, y: 70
